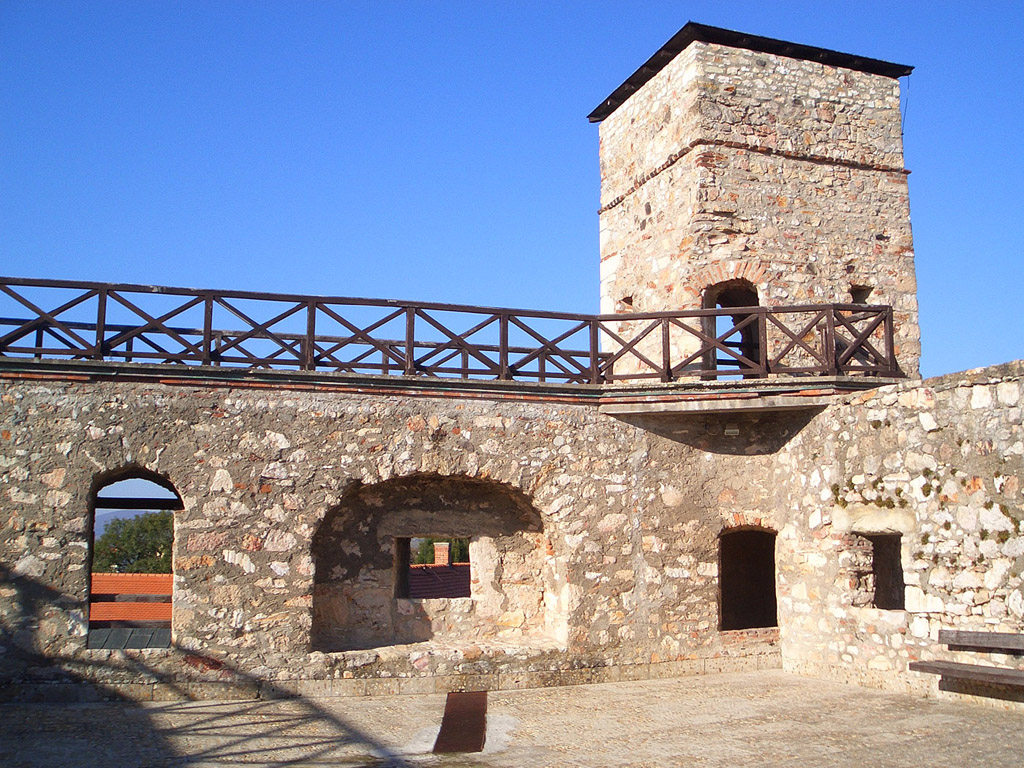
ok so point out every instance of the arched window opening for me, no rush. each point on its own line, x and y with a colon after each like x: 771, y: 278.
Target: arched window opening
x: 500, y: 582
x: 738, y: 332
x: 131, y: 577
x: 861, y: 357
x: 747, y: 579
x: 860, y: 294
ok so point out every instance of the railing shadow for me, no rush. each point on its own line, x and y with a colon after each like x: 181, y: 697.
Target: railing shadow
x: 56, y: 713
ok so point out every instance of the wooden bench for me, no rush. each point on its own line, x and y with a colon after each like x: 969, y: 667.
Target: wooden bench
x: 1000, y: 642
x: 985, y: 642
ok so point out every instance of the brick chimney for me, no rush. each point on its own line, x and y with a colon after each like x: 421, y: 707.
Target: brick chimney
x: 441, y: 552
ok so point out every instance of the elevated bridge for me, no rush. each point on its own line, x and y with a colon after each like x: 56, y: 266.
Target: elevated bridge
x: 745, y: 358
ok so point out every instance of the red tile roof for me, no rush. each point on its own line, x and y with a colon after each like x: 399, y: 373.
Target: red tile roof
x: 429, y: 581
x: 132, y: 583
x: 130, y: 612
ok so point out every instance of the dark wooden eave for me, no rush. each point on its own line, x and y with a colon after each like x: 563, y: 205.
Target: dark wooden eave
x: 694, y: 32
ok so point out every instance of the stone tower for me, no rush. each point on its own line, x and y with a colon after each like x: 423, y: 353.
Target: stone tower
x: 738, y: 169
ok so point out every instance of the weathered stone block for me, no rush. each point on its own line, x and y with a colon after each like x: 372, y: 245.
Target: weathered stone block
x: 448, y: 683
x: 416, y: 685
x: 387, y: 686
x: 681, y: 668
x: 211, y: 691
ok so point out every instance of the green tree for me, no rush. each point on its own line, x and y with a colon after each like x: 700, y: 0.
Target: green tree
x: 459, y: 552
x: 140, y: 544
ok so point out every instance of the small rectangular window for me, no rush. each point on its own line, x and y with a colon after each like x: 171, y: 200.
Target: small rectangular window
x: 887, y: 568
x: 428, y: 567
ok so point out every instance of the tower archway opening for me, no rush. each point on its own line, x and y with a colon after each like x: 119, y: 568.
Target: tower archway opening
x: 736, y: 332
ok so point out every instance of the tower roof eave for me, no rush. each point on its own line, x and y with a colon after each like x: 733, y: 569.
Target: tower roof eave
x: 694, y: 32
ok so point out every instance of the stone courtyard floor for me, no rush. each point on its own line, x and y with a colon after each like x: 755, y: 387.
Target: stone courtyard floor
x: 765, y: 718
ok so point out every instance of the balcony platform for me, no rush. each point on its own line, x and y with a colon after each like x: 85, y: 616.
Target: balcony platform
x: 664, y: 400
x: 683, y: 399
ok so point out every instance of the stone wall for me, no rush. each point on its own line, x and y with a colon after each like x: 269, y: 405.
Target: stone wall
x: 733, y: 165
x: 940, y: 463
x: 593, y: 541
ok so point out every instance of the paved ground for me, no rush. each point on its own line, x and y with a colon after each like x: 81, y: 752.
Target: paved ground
x: 745, y: 719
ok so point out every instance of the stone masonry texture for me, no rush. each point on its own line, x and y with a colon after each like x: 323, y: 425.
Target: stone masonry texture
x: 940, y: 463
x: 593, y: 542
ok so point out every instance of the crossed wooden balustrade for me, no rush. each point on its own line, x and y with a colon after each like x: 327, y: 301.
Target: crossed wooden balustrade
x: 69, y: 320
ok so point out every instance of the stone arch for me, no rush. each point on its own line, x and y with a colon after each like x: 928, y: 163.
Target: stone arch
x: 752, y: 271
x: 736, y: 292
x: 130, y: 606
x: 355, y: 605
x: 108, y: 477
x: 746, y: 578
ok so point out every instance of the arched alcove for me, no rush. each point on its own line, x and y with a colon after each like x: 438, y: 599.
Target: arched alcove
x: 746, y: 578
x: 744, y: 341
x: 131, y: 517
x: 361, y: 557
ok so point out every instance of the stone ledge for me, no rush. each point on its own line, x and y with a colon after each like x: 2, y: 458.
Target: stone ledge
x: 382, y: 686
x: 739, y: 404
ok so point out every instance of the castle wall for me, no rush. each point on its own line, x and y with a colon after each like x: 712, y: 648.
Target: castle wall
x: 940, y: 463
x: 788, y: 174
x: 594, y: 541
x: 595, y: 544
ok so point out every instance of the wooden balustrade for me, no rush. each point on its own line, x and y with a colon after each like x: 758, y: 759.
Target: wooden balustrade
x: 68, y: 320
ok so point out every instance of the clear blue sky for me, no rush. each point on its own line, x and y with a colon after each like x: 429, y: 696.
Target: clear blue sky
x: 440, y: 151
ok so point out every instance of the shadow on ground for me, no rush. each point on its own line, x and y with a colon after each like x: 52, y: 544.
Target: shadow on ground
x: 65, y: 719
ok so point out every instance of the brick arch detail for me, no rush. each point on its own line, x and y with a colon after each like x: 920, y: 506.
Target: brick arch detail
x: 721, y: 272
x: 750, y: 521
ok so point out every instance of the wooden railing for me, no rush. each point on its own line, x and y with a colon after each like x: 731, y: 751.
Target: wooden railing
x: 67, y: 320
